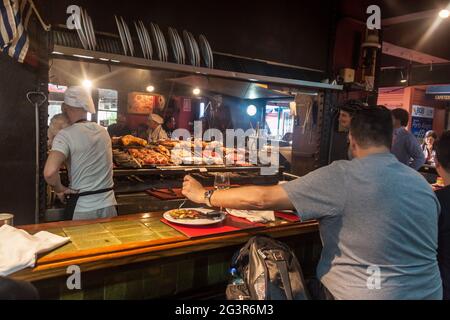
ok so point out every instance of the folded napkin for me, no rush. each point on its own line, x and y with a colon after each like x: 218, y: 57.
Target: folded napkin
x: 19, y: 249
x: 253, y: 215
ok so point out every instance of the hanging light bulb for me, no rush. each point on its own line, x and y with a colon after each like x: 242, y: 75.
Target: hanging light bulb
x: 252, y: 110
x: 403, y: 80
x: 444, y: 14
x: 87, y: 83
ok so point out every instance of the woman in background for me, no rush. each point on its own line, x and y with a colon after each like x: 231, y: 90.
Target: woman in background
x: 428, y: 148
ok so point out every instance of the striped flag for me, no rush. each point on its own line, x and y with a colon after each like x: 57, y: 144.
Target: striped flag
x: 14, y: 18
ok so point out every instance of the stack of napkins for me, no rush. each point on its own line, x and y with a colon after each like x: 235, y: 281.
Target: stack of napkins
x: 19, y: 249
x: 254, y: 215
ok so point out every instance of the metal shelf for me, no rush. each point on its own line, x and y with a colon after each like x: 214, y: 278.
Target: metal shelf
x: 63, y: 52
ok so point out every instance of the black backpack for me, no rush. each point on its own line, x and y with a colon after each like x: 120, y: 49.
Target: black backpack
x: 266, y: 269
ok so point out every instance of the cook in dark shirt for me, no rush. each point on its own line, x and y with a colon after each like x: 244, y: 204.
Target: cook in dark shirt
x: 443, y: 168
x: 120, y: 128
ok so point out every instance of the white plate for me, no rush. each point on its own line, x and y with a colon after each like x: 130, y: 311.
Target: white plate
x: 122, y: 37
x: 194, y: 222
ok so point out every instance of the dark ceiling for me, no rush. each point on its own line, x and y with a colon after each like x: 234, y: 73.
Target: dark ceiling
x: 417, y: 35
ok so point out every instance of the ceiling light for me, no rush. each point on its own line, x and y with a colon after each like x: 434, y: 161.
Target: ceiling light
x: 403, y: 79
x: 196, y: 91
x: 444, y: 14
x: 150, y: 89
x: 251, y: 110
x: 87, y: 83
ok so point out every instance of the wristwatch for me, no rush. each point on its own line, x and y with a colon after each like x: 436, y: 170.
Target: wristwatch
x: 207, y: 197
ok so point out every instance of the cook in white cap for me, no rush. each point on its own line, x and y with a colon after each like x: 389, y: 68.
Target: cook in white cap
x: 156, y: 131
x: 86, y: 148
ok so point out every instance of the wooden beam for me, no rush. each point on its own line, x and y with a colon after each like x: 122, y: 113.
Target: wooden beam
x: 410, y: 17
x: 411, y: 55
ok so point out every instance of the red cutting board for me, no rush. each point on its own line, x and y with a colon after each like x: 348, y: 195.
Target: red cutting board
x: 229, y: 225
x: 291, y: 217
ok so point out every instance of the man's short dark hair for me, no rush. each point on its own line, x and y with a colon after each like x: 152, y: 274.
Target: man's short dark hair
x: 402, y: 115
x: 443, y: 150
x: 372, y: 127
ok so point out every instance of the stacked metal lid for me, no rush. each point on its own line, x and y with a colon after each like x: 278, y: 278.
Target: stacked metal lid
x: 184, y: 48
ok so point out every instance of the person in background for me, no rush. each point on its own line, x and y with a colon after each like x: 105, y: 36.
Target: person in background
x: 288, y: 137
x: 57, y: 123
x: 156, y: 131
x: 141, y: 131
x: 364, y: 222
x: 443, y: 168
x: 169, y: 125
x: 405, y: 145
x: 120, y: 128
x: 86, y: 148
x: 428, y: 148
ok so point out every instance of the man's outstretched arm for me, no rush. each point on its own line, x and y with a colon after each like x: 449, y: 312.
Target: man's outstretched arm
x: 244, y: 198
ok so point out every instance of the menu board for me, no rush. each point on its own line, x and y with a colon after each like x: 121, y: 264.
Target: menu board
x: 141, y: 103
x: 422, y: 121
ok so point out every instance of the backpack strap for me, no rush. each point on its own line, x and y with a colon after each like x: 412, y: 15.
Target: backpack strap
x: 284, y: 273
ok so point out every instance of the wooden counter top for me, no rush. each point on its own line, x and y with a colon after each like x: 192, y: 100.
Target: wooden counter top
x: 134, y: 238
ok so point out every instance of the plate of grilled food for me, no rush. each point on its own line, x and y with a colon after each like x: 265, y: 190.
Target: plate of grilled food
x: 194, y: 217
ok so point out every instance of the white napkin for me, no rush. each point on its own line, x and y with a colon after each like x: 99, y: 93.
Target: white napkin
x: 19, y: 249
x: 253, y: 215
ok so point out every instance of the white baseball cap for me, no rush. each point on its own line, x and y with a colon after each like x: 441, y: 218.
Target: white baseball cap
x: 156, y: 118
x: 79, y: 97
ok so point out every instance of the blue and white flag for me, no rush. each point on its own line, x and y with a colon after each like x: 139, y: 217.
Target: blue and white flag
x: 14, y: 17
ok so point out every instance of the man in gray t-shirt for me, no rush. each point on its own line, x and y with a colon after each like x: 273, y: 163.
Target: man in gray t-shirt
x: 378, y: 218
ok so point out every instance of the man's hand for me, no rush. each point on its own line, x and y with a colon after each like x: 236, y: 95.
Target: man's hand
x: 193, y: 190
x: 61, y: 194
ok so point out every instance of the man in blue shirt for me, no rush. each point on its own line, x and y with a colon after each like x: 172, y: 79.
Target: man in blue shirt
x: 443, y: 168
x: 378, y: 243
x: 405, y: 145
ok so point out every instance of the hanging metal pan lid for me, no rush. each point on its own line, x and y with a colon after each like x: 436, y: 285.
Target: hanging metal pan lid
x: 141, y: 39
x: 209, y: 51
x: 85, y: 28
x: 163, y: 44
x: 156, y: 41
x: 174, y: 46
x: 146, y: 40
x: 91, y: 28
x: 122, y: 35
x: 181, y: 47
x: 196, y: 50
x: 128, y: 36
x: 81, y: 34
x: 189, y: 47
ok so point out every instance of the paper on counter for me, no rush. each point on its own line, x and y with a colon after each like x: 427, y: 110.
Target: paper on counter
x: 253, y: 215
x: 19, y: 249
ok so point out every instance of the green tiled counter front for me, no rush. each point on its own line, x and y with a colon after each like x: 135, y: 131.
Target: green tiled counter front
x: 139, y: 257
x: 183, y: 277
